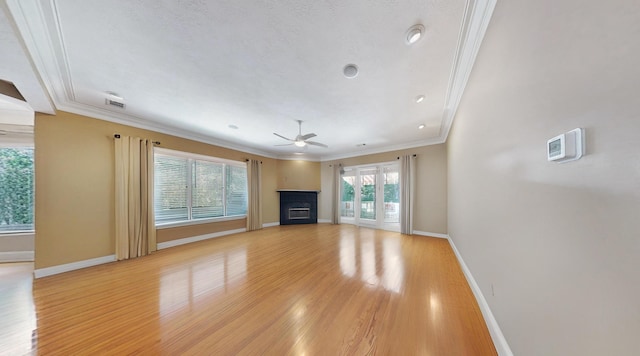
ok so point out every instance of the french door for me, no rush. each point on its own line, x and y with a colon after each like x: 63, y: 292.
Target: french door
x: 370, y: 196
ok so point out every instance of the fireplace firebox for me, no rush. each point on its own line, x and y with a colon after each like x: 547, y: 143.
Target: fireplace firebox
x: 298, y: 207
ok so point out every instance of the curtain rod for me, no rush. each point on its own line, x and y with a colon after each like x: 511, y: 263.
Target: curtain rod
x: 154, y: 142
x: 413, y: 155
x: 247, y: 160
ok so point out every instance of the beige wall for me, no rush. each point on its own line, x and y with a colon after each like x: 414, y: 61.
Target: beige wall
x: 74, y: 205
x: 431, y: 187
x: 555, y: 248
x: 271, y: 200
x: 303, y: 175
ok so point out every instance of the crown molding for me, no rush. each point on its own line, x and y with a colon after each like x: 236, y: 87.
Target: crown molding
x: 38, y: 24
x: 45, y: 43
x: 299, y: 158
x: 477, y: 14
x: 14, y: 11
x: 404, y: 146
x: 129, y: 120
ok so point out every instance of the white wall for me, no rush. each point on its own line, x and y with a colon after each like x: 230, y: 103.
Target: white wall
x: 16, y: 247
x: 554, y: 247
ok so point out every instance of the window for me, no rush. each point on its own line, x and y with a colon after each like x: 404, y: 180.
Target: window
x: 193, y: 187
x: 16, y: 189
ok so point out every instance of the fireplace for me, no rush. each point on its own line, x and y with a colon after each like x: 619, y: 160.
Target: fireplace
x: 298, y: 207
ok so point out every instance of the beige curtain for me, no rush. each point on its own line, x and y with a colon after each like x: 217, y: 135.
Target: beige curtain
x: 135, y: 221
x: 335, y: 199
x: 254, y: 210
x: 407, y: 197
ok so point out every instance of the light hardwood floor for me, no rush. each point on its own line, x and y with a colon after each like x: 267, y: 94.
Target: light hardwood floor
x: 287, y: 290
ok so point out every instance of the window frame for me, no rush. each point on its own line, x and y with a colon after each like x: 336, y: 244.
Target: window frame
x: 23, y: 143
x: 191, y: 157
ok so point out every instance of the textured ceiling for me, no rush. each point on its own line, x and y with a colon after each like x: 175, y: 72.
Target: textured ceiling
x: 193, y: 68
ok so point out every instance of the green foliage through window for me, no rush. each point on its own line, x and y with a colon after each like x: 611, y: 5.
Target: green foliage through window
x: 16, y: 189
x: 347, y: 191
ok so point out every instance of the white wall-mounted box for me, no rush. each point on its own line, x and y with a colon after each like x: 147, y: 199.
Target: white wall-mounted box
x: 566, y: 147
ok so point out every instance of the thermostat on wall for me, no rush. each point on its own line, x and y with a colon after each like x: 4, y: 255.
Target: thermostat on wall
x: 566, y: 147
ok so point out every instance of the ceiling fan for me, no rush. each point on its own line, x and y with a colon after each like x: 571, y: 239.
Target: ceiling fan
x: 301, y: 140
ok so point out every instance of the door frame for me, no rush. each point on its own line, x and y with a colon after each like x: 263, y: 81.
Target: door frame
x: 379, y: 222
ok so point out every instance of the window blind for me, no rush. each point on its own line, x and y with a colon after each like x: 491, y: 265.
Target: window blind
x: 191, y: 188
x: 170, y: 188
x: 207, y: 191
x: 236, y: 196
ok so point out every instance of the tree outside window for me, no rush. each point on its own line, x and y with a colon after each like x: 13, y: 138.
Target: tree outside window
x: 16, y: 189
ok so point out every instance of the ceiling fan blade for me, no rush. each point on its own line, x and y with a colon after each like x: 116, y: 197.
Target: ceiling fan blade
x: 316, y: 144
x: 288, y: 139
x: 285, y: 144
x: 308, y: 136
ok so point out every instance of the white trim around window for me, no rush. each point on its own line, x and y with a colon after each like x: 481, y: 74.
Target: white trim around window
x: 178, y: 175
x: 169, y: 225
x: 196, y: 156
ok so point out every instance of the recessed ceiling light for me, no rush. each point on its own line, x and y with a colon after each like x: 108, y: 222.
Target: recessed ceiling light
x: 350, y: 71
x: 414, y: 34
x: 234, y: 127
x: 419, y: 98
x: 421, y: 126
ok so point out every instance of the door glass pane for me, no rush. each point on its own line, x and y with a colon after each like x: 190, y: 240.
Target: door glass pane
x: 347, y: 198
x: 391, y: 194
x: 207, y: 192
x: 368, y: 194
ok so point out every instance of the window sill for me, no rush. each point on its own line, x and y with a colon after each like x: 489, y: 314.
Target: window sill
x: 17, y: 232
x: 172, y: 224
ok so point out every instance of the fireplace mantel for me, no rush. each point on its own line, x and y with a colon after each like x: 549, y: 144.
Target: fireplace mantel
x: 297, y: 190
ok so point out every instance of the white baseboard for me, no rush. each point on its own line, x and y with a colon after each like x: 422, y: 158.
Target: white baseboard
x: 16, y: 256
x: 324, y: 221
x: 494, y: 329
x: 49, y: 271
x: 431, y: 234
x: 188, y: 240
x: 271, y: 224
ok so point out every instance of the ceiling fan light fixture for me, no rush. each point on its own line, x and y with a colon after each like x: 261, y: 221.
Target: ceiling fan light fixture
x: 414, y: 34
x: 301, y: 140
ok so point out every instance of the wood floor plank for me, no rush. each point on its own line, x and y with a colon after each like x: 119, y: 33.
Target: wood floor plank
x: 286, y: 290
